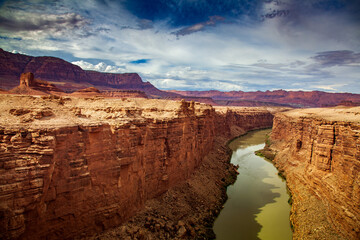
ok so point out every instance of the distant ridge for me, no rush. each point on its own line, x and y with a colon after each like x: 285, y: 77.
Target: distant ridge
x: 70, y: 77
x: 276, y: 98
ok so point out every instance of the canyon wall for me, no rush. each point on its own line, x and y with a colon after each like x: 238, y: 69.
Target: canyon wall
x: 72, y: 166
x: 232, y: 122
x: 318, y: 152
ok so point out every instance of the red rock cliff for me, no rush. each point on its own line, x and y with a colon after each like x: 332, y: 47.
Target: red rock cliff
x: 58, y: 180
x: 77, y: 166
x: 318, y: 151
x: 235, y: 121
x: 68, y: 76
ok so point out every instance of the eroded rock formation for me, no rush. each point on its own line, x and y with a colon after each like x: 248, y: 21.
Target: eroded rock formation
x: 72, y: 166
x: 29, y: 85
x: 318, y: 151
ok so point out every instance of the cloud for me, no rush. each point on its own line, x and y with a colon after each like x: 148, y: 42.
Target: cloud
x: 199, y: 26
x: 32, y: 22
x: 145, y: 24
x: 333, y: 58
x: 100, y: 67
x: 15, y: 51
x: 331, y: 88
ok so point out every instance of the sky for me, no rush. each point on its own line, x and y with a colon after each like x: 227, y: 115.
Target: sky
x: 225, y: 45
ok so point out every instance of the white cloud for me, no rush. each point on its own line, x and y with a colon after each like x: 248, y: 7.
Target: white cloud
x: 100, y: 67
x: 332, y: 88
x: 15, y: 51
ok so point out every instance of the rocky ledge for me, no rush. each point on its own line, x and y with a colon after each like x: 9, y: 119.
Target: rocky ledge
x: 72, y: 167
x: 317, y: 150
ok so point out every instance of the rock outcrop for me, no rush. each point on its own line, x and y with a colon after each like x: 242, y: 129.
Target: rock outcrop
x: 72, y: 166
x: 29, y: 85
x: 318, y: 152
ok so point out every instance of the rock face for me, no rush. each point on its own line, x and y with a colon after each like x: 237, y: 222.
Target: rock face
x: 233, y: 121
x: 79, y: 166
x: 27, y: 79
x: 318, y: 151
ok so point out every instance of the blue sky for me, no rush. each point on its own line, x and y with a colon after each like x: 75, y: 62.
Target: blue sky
x: 226, y: 45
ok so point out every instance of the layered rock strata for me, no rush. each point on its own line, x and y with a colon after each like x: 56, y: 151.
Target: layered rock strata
x: 318, y: 152
x: 188, y: 210
x: 71, y: 166
x: 125, y: 93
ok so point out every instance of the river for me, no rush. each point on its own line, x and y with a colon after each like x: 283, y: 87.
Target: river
x: 257, y: 205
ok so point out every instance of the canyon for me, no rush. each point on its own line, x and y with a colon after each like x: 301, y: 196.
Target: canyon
x: 72, y: 167
x: 96, y: 155
x: 317, y: 150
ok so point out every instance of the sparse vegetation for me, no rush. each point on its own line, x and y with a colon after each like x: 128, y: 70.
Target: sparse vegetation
x: 267, y: 140
x: 281, y: 174
x: 259, y: 153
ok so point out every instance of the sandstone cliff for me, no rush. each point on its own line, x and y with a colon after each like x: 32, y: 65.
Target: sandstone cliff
x: 188, y: 210
x: 72, y: 166
x: 318, y: 152
x: 87, y: 165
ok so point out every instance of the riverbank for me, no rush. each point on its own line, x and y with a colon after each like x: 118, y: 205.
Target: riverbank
x: 256, y: 197
x: 317, y: 151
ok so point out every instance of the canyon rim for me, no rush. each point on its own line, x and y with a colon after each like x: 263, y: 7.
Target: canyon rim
x: 107, y: 162
x: 77, y: 166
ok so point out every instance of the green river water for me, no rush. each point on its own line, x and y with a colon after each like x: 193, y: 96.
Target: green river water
x: 257, y: 205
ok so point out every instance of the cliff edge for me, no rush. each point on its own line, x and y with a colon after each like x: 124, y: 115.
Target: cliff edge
x: 318, y: 152
x: 72, y: 167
